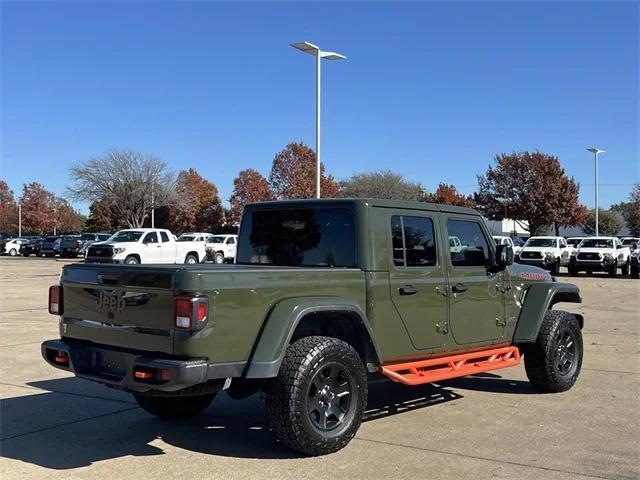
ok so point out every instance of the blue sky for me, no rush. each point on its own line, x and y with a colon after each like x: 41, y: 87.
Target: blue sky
x: 432, y: 90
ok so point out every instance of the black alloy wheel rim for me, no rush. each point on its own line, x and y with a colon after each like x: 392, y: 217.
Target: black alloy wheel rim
x: 565, y: 352
x: 329, y: 397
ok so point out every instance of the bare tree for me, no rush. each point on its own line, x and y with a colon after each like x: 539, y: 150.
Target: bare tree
x: 130, y: 182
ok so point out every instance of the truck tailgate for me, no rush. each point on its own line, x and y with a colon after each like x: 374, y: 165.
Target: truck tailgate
x: 119, y: 306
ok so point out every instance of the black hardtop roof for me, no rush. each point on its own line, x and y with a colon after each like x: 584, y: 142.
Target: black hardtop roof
x: 366, y: 202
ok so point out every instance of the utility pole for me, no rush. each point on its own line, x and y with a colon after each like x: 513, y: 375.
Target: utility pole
x: 19, y: 219
x: 596, y: 151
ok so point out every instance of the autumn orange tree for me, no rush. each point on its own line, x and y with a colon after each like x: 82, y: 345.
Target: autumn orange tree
x: 103, y: 218
x: 293, y: 174
x: 248, y: 187
x: 532, y: 187
x: 8, y: 209
x: 448, y: 194
x: 199, y: 208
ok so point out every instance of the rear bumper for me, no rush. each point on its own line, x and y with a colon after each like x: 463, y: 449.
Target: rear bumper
x: 116, y: 367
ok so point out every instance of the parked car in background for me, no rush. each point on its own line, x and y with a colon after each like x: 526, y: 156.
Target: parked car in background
x: 48, y: 248
x: 222, y: 248
x: 504, y: 240
x: 631, y: 242
x: 4, y: 238
x: 32, y: 247
x: 145, y: 245
x: 600, y: 254
x: 634, y: 262
x: 76, y: 245
x: 194, y: 237
x: 546, y: 252
x: 12, y: 246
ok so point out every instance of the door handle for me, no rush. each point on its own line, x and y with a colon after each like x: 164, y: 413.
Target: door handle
x: 459, y: 288
x: 408, y: 290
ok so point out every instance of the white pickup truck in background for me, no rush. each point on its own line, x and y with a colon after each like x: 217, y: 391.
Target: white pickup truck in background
x: 600, y: 254
x: 546, y: 252
x: 145, y: 245
x: 222, y: 248
x: 504, y: 240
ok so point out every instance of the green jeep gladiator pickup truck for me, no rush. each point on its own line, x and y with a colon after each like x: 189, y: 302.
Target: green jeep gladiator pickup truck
x: 325, y: 295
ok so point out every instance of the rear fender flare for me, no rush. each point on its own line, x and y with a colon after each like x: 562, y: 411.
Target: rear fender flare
x: 280, y: 325
x: 539, y: 299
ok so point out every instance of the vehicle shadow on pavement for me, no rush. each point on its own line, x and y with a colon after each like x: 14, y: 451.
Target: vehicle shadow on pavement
x: 491, y: 383
x: 64, y: 429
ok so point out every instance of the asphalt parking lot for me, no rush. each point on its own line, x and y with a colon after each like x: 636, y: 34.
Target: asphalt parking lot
x: 488, y: 426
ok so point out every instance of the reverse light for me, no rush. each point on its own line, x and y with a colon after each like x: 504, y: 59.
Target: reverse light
x: 55, y: 300
x: 191, y: 313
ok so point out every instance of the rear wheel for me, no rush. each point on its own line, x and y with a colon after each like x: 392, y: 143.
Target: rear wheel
x: 191, y: 259
x: 174, y: 407
x: 131, y: 260
x: 316, y: 403
x: 553, y: 362
x: 13, y: 252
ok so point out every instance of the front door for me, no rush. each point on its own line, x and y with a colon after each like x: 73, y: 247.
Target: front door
x: 153, y: 249
x: 476, y: 308
x: 417, y: 280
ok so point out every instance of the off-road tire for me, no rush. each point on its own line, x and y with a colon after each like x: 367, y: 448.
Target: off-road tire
x: 613, y: 270
x: 191, y: 259
x: 625, y: 268
x: 218, y: 257
x: 131, y: 260
x: 174, y: 407
x: 542, y: 357
x: 288, y: 395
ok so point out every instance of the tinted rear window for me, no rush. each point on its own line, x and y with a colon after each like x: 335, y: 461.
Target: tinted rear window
x: 310, y: 237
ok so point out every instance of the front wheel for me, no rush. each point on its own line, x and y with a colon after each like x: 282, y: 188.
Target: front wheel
x: 218, y: 257
x: 131, y: 260
x: 316, y: 403
x: 625, y: 268
x: 13, y: 252
x: 573, y: 271
x: 554, y: 361
x: 175, y: 407
x: 635, y: 272
x: 613, y: 270
x: 555, y: 268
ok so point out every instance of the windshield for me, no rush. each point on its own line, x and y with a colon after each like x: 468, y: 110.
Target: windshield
x: 215, y: 240
x: 596, y: 243
x: 541, y: 242
x: 186, y: 238
x: 310, y: 237
x: 126, y: 236
x: 573, y: 242
x: 87, y: 236
x: 630, y: 241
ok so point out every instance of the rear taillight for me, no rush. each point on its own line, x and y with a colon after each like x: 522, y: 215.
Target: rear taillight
x: 55, y: 300
x: 191, y: 313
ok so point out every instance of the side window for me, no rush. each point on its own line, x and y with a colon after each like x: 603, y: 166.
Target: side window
x: 474, y: 250
x: 151, y: 237
x: 413, y: 241
x: 164, y: 236
x: 563, y: 243
x: 231, y: 241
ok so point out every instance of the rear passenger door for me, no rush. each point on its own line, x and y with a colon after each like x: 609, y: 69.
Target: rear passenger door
x: 476, y: 309
x: 416, y: 277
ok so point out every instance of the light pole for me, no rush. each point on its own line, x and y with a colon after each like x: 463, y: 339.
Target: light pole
x: 19, y: 219
x: 153, y: 210
x: 595, y: 152
x: 314, y: 50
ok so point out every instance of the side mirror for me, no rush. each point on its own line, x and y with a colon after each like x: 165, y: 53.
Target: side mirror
x: 504, y: 255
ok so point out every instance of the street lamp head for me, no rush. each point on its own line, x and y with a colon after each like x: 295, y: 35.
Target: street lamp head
x: 315, y: 51
x: 595, y: 150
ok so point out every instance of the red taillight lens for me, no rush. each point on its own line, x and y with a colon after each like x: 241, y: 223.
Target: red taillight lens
x: 191, y: 313
x: 55, y: 300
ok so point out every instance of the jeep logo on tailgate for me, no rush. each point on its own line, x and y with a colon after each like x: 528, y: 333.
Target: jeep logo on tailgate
x: 110, y: 301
